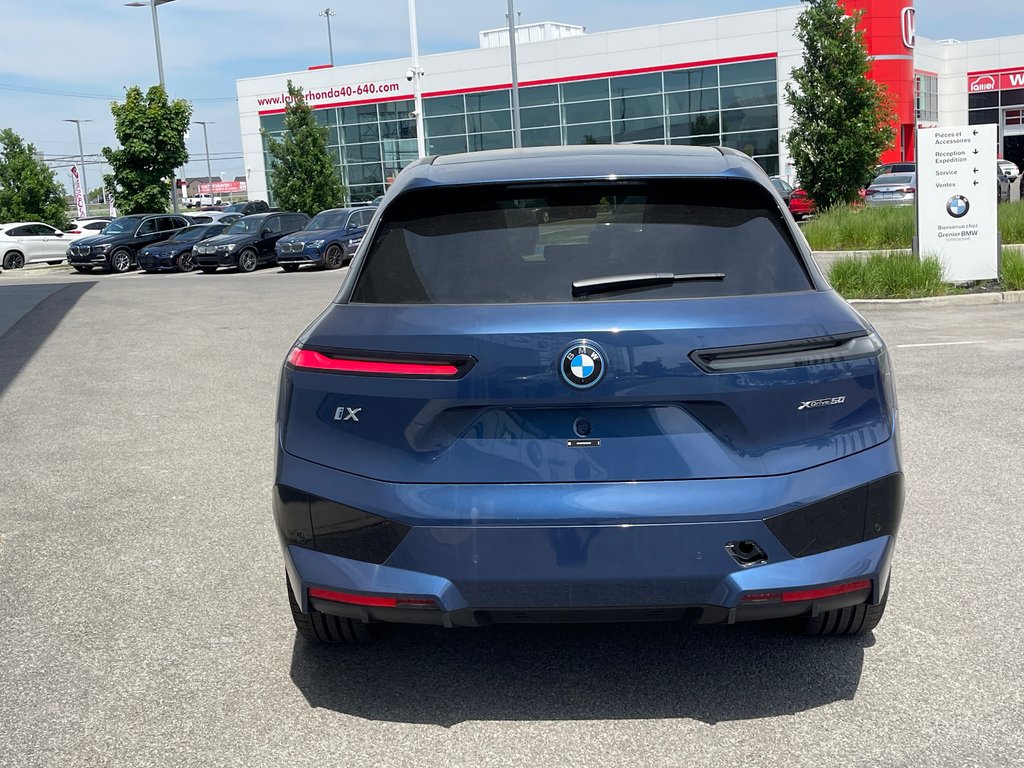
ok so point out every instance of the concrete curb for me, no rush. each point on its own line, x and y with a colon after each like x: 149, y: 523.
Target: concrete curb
x: 961, y: 300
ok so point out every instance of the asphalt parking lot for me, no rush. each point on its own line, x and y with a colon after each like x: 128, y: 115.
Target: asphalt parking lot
x: 143, y: 619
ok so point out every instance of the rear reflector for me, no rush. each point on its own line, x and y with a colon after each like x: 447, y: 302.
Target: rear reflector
x: 372, y: 601
x: 818, y: 594
x: 796, y: 596
x: 346, y: 597
x: 310, y: 359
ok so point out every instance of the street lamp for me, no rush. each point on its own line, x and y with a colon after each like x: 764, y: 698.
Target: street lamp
x: 517, y: 136
x: 327, y: 13
x: 81, y: 158
x: 160, y: 68
x: 414, y: 74
x: 209, y: 173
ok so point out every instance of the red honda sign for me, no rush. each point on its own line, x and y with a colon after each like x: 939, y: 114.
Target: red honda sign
x: 996, y: 80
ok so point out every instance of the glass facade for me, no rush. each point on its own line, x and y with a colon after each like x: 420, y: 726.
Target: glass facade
x: 733, y: 105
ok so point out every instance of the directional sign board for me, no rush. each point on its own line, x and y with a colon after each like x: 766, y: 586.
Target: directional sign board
x: 956, y: 198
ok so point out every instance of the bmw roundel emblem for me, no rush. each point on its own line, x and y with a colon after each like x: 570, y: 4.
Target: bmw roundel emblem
x: 958, y: 206
x: 582, y: 364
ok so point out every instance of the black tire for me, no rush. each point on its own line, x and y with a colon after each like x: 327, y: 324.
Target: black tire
x: 290, y: 267
x: 323, y: 628
x: 208, y: 270
x: 186, y: 262
x: 247, y: 260
x: 855, y: 620
x: 120, y: 261
x: 334, y: 257
x: 14, y: 260
x: 83, y: 268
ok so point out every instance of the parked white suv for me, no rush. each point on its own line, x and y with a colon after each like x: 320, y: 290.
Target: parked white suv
x: 26, y: 242
x: 198, y: 201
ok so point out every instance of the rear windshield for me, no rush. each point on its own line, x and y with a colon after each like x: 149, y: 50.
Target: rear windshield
x: 893, y: 178
x: 501, y: 244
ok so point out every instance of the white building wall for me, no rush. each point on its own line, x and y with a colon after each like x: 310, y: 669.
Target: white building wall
x: 667, y: 45
x: 661, y: 46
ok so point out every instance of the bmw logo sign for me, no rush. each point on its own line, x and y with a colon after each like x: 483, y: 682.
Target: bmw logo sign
x: 958, y: 206
x: 582, y: 364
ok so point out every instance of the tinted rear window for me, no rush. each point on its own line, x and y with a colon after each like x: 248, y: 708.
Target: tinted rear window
x: 499, y: 244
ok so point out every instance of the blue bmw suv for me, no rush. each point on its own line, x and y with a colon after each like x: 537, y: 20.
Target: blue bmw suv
x: 586, y: 384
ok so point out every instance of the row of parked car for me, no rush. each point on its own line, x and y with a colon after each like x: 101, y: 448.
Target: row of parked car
x: 894, y: 184
x: 242, y: 239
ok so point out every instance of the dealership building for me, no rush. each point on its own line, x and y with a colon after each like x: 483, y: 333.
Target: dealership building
x: 712, y: 81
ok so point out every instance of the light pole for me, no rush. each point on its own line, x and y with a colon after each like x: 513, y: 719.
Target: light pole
x: 327, y: 13
x: 209, y: 173
x: 160, y: 69
x: 517, y: 136
x: 414, y: 74
x: 81, y: 158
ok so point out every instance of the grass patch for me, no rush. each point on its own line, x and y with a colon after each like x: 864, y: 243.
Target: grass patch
x: 845, y: 228
x: 888, y: 276
x: 1011, y: 273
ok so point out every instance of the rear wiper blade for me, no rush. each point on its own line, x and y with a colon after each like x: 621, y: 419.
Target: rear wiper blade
x: 611, y: 283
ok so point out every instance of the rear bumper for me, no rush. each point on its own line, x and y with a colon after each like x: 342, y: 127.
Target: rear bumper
x: 591, y: 551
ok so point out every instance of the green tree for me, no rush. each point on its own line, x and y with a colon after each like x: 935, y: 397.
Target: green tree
x: 151, y: 131
x: 841, y: 119
x: 302, y: 175
x: 29, y: 191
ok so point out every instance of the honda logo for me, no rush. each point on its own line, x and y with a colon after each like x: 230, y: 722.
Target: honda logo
x: 909, y: 25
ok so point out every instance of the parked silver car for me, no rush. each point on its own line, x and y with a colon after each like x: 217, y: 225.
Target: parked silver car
x: 892, y: 189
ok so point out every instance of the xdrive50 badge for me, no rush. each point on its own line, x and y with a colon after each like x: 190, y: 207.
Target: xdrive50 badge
x: 582, y: 364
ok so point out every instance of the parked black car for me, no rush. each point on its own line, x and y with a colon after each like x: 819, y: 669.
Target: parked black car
x: 116, y: 248
x: 248, y: 207
x: 175, y: 253
x: 329, y: 240
x: 248, y: 242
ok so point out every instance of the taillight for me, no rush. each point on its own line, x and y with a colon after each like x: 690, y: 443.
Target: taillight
x: 761, y: 357
x: 909, y: 191
x: 383, y: 364
x: 74, y: 232
x: 803, y: 595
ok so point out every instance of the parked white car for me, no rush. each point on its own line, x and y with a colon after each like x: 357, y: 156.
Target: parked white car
x: 28, y: 242
x: 86, y: 227
x: 200, y: 200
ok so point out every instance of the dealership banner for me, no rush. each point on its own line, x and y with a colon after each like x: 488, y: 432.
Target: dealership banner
x: 76, y: 182
x: 222, y: 187
x: 110, y: 202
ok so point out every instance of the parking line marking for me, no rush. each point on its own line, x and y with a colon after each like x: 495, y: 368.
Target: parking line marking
x: 941, y: 344
x: 953, y: 343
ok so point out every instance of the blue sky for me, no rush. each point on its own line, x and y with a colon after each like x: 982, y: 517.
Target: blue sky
x: 68, y: 58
